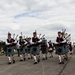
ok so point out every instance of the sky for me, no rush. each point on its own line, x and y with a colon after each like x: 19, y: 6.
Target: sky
x: 45, y: 16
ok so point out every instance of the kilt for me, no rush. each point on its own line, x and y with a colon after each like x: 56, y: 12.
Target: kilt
x: 66, y: 48
x: 22, y: 50
x: 28, y: 50
x: 35, y: 50
x: 50, y: 50
x: 61, y: 49
x: 10, y: 51
x: 44, y: 50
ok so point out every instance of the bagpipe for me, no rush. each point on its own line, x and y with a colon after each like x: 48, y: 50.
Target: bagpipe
x: 66, y: 36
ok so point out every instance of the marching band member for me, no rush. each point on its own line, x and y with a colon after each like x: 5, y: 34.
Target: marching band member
x: 70, y: 48
x: 44, y: 46
x: 60, y: 49
x: 10, y: 43
x: 28, y: 47
x: 66, y: 46
x: 50, y: 50
x: 17, y: 47
x: 35, y: 41
x: 22, y: 44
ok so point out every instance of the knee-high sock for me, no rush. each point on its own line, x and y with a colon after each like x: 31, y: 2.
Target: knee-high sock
x: 35, y: 59
x: 66, y: 55
x: 38, y: 56
x: 43, y: 55
x: 28, y: 55
x: 21, y: 57
x: 60, y: 59
x: 9, y: 58
x: 12, y: 57
x: 46, y: 55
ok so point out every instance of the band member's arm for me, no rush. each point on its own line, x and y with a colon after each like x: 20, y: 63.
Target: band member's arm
x: 18, y: 45
x: 47, y: 44
x: 25, y: 43
x: 7, y: 43
x: 40, y: 41
x: 63, y: 41
x: 31, y: 42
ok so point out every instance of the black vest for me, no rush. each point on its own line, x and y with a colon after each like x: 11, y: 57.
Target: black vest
x: 21, y: 42
x: 35, y: 39
x: 50, y: 45
x: 59, y: 39
x: 11, y: 40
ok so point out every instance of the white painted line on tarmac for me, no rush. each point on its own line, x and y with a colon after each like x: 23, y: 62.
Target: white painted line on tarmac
x: 43, y: 72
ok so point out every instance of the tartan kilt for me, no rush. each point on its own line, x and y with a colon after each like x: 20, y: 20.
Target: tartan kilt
x: 44, y: 50
x: 66, y: 48
x: 10, y: 51
x: 50, y: 50
x: 35, y: 50
x: 61, y: 49
x: 22, y: 50
x: 28, y: 50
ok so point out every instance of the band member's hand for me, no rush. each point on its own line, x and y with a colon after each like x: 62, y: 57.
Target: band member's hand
x: 22, y: 45
x: 35, y: 43
x: 12, y: 43
x: 59, y: 42
x: 28, y: 45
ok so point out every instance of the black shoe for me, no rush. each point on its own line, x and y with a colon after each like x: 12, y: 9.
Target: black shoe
x: 35, y: 62
x: 38, y: 60
x: 66, y: 59
x: 24, y: 59
x: 43, y: 59
x: 46, y: 58
x: 31, y: 57
x: 21, y: 60
x: 9, y: 63
x: 52, y: 55
x: 70, y: 53
x: 60, y: 62
x: 13, y: 61
x: 28, y: 58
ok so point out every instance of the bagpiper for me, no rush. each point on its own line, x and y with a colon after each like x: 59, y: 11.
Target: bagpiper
x: 51, y: 49
x: 35, y: 41
x: 22, y: 44
x: 10, y: 43
x: 28, y: 48
x: 70, y: 48
x: 44, y: 47
x: 60, y: 47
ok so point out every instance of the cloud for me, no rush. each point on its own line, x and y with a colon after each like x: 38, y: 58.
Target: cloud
x: 55, y: 27
x: 45, y: 16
